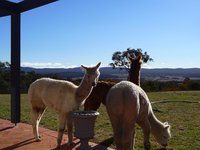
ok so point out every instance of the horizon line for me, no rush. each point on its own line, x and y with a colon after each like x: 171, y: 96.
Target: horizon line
x: 70, y: 67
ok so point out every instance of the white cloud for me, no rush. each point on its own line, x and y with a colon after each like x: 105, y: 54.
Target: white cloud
x: 45, y: 65
x: 53, y: 65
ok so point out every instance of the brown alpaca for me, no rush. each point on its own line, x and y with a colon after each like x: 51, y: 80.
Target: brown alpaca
x: 98, y: 95
x: 134, y: 73
x: 99, y: 92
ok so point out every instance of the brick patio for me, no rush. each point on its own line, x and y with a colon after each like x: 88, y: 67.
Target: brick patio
x: 20, y: 137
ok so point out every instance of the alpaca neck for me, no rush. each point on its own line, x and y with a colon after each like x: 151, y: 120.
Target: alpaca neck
x: 156, y: 125
x: 134, y: 76
x: 83, y: 91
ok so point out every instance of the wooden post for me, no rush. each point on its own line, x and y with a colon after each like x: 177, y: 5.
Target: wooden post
x: 15, y: 68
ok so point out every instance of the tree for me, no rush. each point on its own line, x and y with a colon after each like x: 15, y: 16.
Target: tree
x: 122, y: 59
x: 4, y: 77
x: 4, y: 66
x: 131, y: 60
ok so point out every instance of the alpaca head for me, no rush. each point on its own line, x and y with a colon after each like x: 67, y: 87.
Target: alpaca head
x: 92, y: 74
x: 136, y: 62
x: 164, y: 135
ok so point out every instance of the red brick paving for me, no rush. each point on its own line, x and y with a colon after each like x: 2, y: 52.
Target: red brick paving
x: 20, y: 137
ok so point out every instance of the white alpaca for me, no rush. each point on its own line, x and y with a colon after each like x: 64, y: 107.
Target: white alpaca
x: 62, y: 97
x: 127, y: 104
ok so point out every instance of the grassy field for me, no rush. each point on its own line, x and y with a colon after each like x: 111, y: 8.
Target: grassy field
x: 183, y: 117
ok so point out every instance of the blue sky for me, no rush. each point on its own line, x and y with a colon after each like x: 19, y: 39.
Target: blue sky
x: 74, y: 32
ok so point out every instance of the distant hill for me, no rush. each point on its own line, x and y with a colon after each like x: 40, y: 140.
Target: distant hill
x: 106, y: 72
x: 168, y: 74
x: 163, y: 74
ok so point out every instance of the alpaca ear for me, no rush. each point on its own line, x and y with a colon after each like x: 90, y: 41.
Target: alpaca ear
x: 97, y: 66
x: 167, y: 126
x: 131, y: 59
x: 84, y: 67
x: 166, y: 123
x: 139, y: 58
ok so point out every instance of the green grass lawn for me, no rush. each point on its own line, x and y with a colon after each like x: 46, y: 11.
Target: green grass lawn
x: 184, y: 119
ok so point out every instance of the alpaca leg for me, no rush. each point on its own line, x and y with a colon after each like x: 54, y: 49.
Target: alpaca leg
x: 41, y: 113
x: 35, y: 115
x: 133, y: 139
x: 61, y: 129
x: 118, y: 141
x: 123, y: 136
x: 117, y: 130
x: 128, y: 138
x: 145, y: 125
x: 70, y: 130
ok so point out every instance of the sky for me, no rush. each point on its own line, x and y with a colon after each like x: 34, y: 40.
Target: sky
x: 68, y: 33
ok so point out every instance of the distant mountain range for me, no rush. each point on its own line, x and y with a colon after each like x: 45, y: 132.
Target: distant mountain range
x: 163, y: 74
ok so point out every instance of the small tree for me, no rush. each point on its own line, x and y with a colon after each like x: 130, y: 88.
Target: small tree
x: 131, y: 60
x: 121, y: 59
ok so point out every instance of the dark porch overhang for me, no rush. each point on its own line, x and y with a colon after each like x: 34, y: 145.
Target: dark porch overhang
x: 8, y: 7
